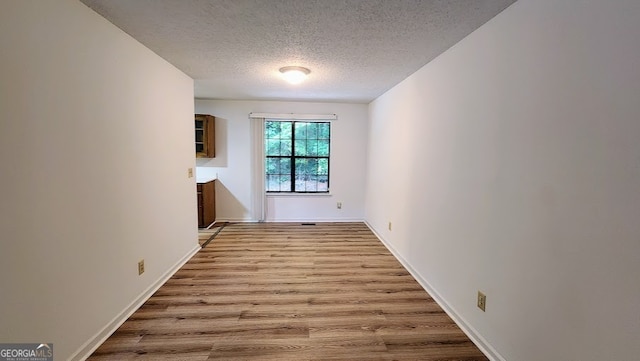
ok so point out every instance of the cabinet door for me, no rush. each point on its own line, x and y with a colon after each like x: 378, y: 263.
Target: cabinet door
x: 205, y: 128
x: 206, y: 203
x: 200, y: 207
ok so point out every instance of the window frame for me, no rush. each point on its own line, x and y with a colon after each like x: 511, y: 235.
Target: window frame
x: 293, y: 158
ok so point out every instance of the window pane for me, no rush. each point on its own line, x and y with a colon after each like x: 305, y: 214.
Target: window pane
x: 306, y: 170
x: 323, y: 167
x: 312, y: 131
x: 278, y: 174
x: 323, y: 130
x: 278, y: 138
x: 301, y: 130
x: 299, y: 185
x: 277, y: 130
x: 272, y: 166
x: 322, y: 184
x: 273, y: 183
x: 312, y: 183
x: 308, y: 155
x: 285, y: 166
x: 306, y: 166
x: 278, y: 182
x: 301, y: 147
x: 272, y: 147
x: 323, y: 148
x: 285, y: 147
x: 271, y: 130
x: 312, y: 147
x: 285, y: 183
x: 285, y: 130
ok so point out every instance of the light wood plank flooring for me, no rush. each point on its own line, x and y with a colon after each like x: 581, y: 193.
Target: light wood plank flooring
x: 204, y: 234
x: 280, y: 291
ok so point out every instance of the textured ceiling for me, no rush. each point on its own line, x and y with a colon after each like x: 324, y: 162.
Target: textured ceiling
x: 356, y: 49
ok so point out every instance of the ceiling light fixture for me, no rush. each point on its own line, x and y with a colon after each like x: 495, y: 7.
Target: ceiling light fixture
x: 294, y: 74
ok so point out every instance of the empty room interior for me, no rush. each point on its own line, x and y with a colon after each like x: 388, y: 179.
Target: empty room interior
x: 446, y: 180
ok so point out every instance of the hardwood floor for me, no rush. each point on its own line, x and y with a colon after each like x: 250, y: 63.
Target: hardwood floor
x: 205, y: 234
x: 277, y: 291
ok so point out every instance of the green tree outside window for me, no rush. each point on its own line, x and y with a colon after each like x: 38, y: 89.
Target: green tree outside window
x: 297, y: 156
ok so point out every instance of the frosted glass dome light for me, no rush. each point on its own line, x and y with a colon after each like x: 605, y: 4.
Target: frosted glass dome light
x: 294, y: 74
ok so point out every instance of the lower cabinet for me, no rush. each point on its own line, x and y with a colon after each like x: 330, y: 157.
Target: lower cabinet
x: 206, y: 203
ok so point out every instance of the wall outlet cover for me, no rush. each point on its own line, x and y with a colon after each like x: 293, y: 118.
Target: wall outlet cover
x: 482, y: 301
x: 140, y: 267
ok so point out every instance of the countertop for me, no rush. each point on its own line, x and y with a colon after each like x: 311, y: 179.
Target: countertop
x: 204, y: 179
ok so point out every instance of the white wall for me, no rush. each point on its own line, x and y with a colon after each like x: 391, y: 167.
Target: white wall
x: 233, y: 162
x: 511, y: 164
x: 96, y: 136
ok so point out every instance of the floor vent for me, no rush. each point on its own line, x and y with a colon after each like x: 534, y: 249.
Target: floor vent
x: 308, y: 224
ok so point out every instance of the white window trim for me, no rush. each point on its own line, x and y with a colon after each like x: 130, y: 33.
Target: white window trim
x: 294, y: 116
x: 296, y: 194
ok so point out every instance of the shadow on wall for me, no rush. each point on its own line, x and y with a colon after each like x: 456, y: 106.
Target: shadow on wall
x: 221, y: 159
x: 228, y: 207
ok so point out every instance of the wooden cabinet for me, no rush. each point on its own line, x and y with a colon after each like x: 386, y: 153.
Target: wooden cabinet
x: 206, y: 203
x: 205, y: 136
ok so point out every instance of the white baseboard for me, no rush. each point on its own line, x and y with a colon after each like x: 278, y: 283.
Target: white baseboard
x: 469, y: 330
x: 296, y: 220
x: 94, y: 342
x: 235, y: 220
x: 288, y: 220
x: 315, y: 220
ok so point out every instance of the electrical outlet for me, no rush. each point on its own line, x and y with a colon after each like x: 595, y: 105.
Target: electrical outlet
x: 339, y: 205
x: 389, y: 225
x: 482, y: 301
x: 140, y: 267
x: 190, y: 172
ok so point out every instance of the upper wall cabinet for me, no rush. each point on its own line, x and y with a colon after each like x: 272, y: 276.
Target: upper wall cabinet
x: 205, y: 136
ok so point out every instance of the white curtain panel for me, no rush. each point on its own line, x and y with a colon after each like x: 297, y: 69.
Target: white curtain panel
x: 259, y: 198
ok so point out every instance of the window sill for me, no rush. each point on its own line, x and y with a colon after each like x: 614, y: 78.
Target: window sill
x: 293, y: 194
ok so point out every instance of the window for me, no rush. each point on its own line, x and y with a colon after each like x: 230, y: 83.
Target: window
x: 297, y: 156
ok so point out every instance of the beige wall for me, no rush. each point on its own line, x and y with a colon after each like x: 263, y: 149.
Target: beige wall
x: 96, y: 136
x: 511, y: 164
x: 234, y: 162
